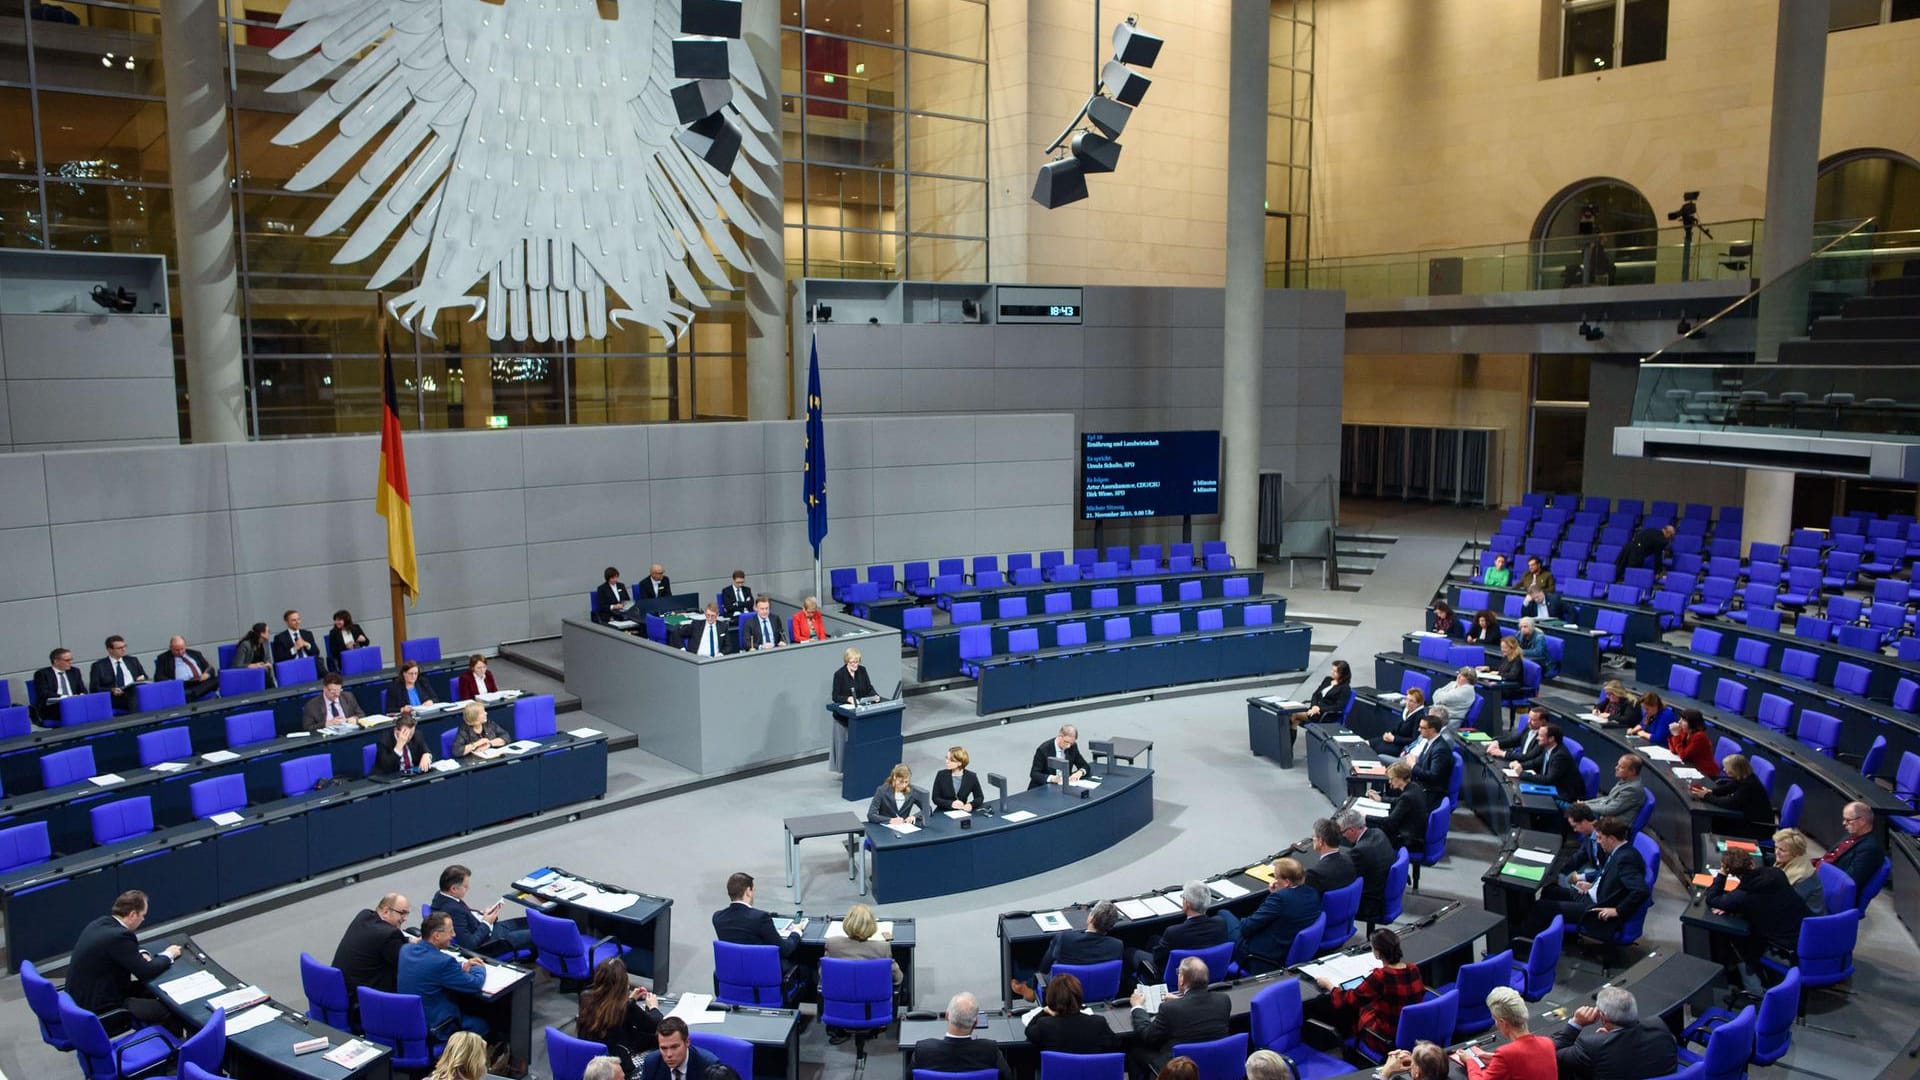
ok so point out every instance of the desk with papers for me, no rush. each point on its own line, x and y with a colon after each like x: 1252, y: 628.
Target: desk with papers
x: 902, y: 935
x: 640, y: 922
x: 260, y: 1031
x: 1033, y: 832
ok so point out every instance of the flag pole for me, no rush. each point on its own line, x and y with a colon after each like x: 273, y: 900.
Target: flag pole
x: 396, y: 589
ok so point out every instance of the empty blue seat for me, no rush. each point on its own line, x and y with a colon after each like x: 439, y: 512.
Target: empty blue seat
x: 1190, y: 591
x: 25, y: 845
x: 1027, y: 575
x: 1257, y: 615
x: 1012, y: 607
x: 1119, y: 554
x: 533, y: 717
x: 246, y: 728
x: 153, y: 696
x: 1104, y: 570
x: 1070, y: 634
x: 913, y: 621
x: 86, y: 709
x: 1220, y: 561
x: 1148, y: 594
x: 1799, y: 663
x: 294, y: 672
x: 238, y: 681
x: 421, y: 650
x: 1851, y: 678
x: 1019, y: 560
x: 62, y: 767
x: 1024, y: 640
x: 1056, y: 603
x: 1165, y: 622
x: 964, y: 612
x: 1235, y: 586
x: 1105, y: 598
x: 1752, y: 652
x: 1820, y: 731
x: 989, y: 579
x: 839, y: 579
x: 982, y: 563
x: 1116, y: 629
x: 164, y: 744
x: 122, y: 819
x: 976, y: 644
x: 1774, y: 712
x: 1731, y: 696
x: 301, y: 774
x: 219, y: 795
x: 1209, y: 619
x: 1143, y: 567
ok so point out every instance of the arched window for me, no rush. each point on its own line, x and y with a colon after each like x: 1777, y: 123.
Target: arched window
x: 1598, y: 231
x: 1870, y: 182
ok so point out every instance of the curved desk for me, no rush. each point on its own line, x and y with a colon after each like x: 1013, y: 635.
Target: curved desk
x: 945, y: 858
x: 1021, y: 680
x: 940, y: 645
x: 890, y: 612
x: 267, y: 1049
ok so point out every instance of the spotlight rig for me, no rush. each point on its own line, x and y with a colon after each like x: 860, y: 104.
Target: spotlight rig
x: 1117, y: 89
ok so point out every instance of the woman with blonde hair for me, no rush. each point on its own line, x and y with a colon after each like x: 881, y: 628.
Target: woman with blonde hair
x: 897, y: 801
x: 863, y: 940
x: 1790, y: 855
x: 808, y: 623
x: 476, y: 732
x: 956, y: 787
x: 465, y: 1058
x: 1616, y: 704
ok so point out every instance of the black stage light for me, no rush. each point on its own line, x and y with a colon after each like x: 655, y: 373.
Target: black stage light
x: 1132, y: 45
x: 1109, y: 116
x: 1126, y: 85
x: 1060, y: 182
x: 1096, y: 153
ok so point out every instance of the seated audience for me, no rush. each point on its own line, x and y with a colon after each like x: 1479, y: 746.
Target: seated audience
x: 429, y: 972
x: 613, y: 600
x: 109, y: 971
x: 655, y: 585
x: 477, y: 734
x: 188, y: 666
x: 1064, y: 745
x: 1790, y: 855
x: 1458, y: 696
x: 1535, y: 606
x: 1737, y: 789
x: 476, y: 680
x: 1407, y: 808
x: 864, y: 940
x: 1598, y: 908
x: 1405, y: 730
x: 253, y: 650
x: 1370, y: 1011
x: 463, y: 1058
x: 1580, y: 857
x: 675, y: 1056
x: 369, y: 952
x: 1424, y: 1062
x: 294, y: 643
x: 809, y: 624
x: 1196, y: 929
x: 1555, y: 767
x: 736, y: 597
x: 1500, y: 574
x: 1372, y: 857
x: 710, y: 637
x: 1538, y: 578
x: 478, y: 930
x: 403, y: 752
x: 607, y: 1068
x: 623, y: 1016
x: 1267, y: 1065
x: 343, y: 635
x: 1533, y: 643
x: 764, y: 630
x: 956, y: 787
x: 1616, y: 706
x: 1861, y: 854
x: 1511, y: 668
x: 1522, y: 746
x: 1764, y: 897
x: 1688, y: 738
x: 1431, y: 757
x: 1608, y: 1041
x: 1335, y: 868
x: 1655, y: 718
x: 1331, y: 698
x: 960, y: 1049
x: 1522, y: 1056
x: 1063, y: 1028
x: 117, y: 673
x: 1290, y: 905
x: 408, y: 691
x: 331, y: 707
x: 1628, y: 794
x: 1192, y: 1014
x: 743, y: 924
x: 1093, y: 945
x: 1442, y: 621
x: 897, y: 802
x: 55, y: 681
x: 1484, y: 630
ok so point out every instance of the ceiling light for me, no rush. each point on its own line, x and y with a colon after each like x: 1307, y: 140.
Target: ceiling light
x: 859, y: 69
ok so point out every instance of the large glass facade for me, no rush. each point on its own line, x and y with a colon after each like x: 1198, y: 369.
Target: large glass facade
x: 1289, y: 207
x: 884, y: 104
x: 873, y: 187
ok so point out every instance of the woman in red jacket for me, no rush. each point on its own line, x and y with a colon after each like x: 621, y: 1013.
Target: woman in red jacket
x: 478, y: 680
x: 1524, y: 1057
x: 808, y: 623
x: 1689, y: 739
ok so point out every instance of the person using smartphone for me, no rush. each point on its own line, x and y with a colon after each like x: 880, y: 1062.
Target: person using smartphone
x: 480, y: 929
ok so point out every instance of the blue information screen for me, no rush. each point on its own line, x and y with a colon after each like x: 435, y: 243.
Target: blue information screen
x: 1143, y: 474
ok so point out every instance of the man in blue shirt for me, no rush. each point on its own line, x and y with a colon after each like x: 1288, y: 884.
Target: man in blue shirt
x: 1291, y: 904
x: 429, y: 972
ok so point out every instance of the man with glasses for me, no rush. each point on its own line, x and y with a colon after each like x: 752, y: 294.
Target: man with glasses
x: 1861, y: 854
x: 116, y: 673
x: 369, y: 952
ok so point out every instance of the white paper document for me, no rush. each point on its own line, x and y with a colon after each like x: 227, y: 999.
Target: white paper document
x: 1341, y: 969
x: 1156, y: 992
x: 191, y: 988
x: 1051, y: 921
x: 218, y: 757
x: 693, y: 1009
x: 622, y: 624
x: 295, y: 735
x: 1371, y: 807
x: 106, y: 780
x: 499, y: 977
x: 957, y: 814
x: 1532, y: 856
x: 228, y: 818
x: 1350, y: 739
x: 607, y: 901
x: 168, y: 766
x: 238, y: 998
x: 522, y: 746
x: 1019, y: 815
x: 444, y: 765
x: 1285, y: 703
x: 904, y: 828
x: 1135, y: 909
x: 1160, y: 905
x: 583, y: 732
x: 1089, y: 784
x: 1687, y: 773
x: 252, y: 1018
x: 1226, y: 890
x: 1659, y: 753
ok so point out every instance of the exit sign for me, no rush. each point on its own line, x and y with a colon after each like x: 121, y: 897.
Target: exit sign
x: 496, y: 421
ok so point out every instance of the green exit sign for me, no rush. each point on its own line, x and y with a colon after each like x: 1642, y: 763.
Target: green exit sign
x: 496, y: 421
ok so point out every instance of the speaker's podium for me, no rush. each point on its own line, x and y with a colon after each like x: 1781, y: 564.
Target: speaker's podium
x: 866, y: 744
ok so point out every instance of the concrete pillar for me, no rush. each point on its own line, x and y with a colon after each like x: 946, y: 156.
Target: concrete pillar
x: 1793, y: 160
x: 191, y: 55
x: 1768, y: 516
x: 766, y: 282
x: 1246, y: 292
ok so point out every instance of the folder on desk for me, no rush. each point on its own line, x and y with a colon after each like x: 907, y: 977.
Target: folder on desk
x: 1538, y: 789
x: 1263, y: 872
x: 1476, y: 736
x: 1525, y: 871
x: 1740, y: 845
x: 1705, y: 881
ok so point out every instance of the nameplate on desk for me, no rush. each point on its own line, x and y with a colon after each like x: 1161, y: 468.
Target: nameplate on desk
x: 1706, y: 881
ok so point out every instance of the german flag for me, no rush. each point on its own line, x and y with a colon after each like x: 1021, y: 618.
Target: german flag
x: 392, y: 501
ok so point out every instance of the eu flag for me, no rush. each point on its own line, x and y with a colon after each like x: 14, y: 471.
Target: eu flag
x: 814, y: 474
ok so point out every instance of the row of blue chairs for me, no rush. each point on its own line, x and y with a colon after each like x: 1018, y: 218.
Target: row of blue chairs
x: 1540, y: 502
x: 125, y: 819
x: 172, y: 693
x: 914, y: 620
x: 976, y: 641
x: 929, y: 578
x: 150, y: 1052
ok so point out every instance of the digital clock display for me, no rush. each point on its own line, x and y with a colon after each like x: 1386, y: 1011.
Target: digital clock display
x: 1041, y: 311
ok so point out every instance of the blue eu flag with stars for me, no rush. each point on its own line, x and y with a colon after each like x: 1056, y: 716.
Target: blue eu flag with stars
x: 814, y: 475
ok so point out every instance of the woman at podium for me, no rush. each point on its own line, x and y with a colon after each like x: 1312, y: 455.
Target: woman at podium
x: 852, y: 684
x: 957, y: 788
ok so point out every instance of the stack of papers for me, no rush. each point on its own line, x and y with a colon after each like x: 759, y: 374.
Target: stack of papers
x: 1135, y: 909
x: 1371, y: 807
x: 1263, y: 872
x: 237, y: 999
x: 1090, y: 784
x: 1226, y: 890
x: 1341, y: 969
x: 106, y: 779
x: 352, y: 1054
x: 1019, y: 815
x: 217, y: 757
x: 1686, y: 772
x: 522, y: 746
x: 693, y: 1009
x: 1659, y: 753
x: 583, y: 732
x: 601, y: 900
x: 252, y: 1018
x: 1369, y: 768
x: 1349, y: 737
x: 228, y: 818
x: 168, y: 766
x: 499, y: 977
x: 1532, y: 855
x: 904, y: 828
x: 191, y: 988
x: 444, y: 765
x: 1284, y: 703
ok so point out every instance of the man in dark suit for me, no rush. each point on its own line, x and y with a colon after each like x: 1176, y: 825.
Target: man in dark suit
x: 1432, y: 758
x: 1195, y: 1014
x: 294, y: 643
x: 1648, y: 543
x: 1608, y: 1041
x: 1066, y: 745
x: 959, y: 1050
x: 1372, y: 857
x: 332, y: 705
x: 117, y: 673
x: 711, y: 637
x: 109, y: 969
x: 1198, y: 930
x: 369, y: 952
x: 1554, y: 766
x: 743, y: 924
x: 851, y: 683
x: 655, y: 585
x: 612, y: 600
x: 1522, y: 745
x: 677, y: 1058
x: 1580, y: 857
x: 1335, y: 868
x: 763, y: 629
x: 1267, y: 934
x: 1861, y: 854
x: 480, y: 931
x: 57, y: 680
x: 736, y: 597
x: 188, y: 666
x: 1094, y: 945
x: 1598, y: 909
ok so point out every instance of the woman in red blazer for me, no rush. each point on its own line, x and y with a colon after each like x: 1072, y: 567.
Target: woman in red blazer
x: 808, y: 623
x: 1688, y: 738
x: 478, y: 680
x: 1523, y: 1057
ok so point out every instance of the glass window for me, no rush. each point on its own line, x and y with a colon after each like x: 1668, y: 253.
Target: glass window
x: 1587, y: 39
x: 623, y: 389
x: 950, y: 207
x: 17, y: 152
x: 850, y: 71
x: 87, y: 137
x: 839, y: 254
x: 852, y: 198
x: 874, y: 20
x: 935, y: 258
x: 524, y: 386
x: 20, y: 215
x: 1599, y: 34
x: 1560, y: 378
x: 939, y: 84
x: 1643, y: 32
x: 324, y: 395
x: 102, y: 217
x: 958, y: 27
x: 948, y: 147
x: 868, y: 138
